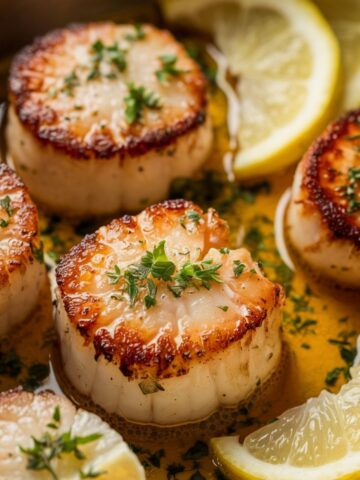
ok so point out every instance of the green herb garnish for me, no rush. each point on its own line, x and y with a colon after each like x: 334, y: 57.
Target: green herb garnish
x: 5, y: 203
x: 195, y: 274
x: 191, y: 216
x: 224, y: 308
x: 238, y: 268
x: 112, y: 55
x: 139, y: 277
x: 70, y: 82
x: 197, y: 451
x: 38, y: 252
x: 50, y: 446
x: 168, y: 68
x: 114, y: 276
x: 136, y: 100
x: 138, y: 34
x: 350, y: 190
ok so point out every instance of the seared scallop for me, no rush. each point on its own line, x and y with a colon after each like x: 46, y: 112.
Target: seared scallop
x: 103, y: 117
x: 160, y: 322
x: 21, y: 268
x: 324, y: 214
x: 44, y: 436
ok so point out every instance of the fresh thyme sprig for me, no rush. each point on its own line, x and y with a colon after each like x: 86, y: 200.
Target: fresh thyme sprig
x: 137, y: 99
x: 49, y: 447
x: 168, y: 68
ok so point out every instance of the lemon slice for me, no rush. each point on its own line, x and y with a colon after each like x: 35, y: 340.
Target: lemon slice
x: 344, y: 17
x: 109, y: 458
x: 319, y: 440
x: 39, y: 433
x: 286, y: 62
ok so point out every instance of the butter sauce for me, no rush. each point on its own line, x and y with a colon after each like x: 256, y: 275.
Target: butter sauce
x: 316, y: 319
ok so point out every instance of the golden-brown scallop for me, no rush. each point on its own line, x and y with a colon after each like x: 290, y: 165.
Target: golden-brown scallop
x: 103, y: 117
x: 324, y: 214
x: 21, y: 268
x: 160, y: 322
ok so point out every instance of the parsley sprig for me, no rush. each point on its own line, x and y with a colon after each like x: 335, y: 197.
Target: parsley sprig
x: 112, y: 55
x: 137, y: 99
x: 141, y: 277
x: 195, y: 274
x: 168, y: 68
x: 49, y: 446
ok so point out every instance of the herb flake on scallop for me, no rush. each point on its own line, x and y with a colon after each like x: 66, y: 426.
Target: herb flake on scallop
x: 168, y: 68
x: 137, y: 99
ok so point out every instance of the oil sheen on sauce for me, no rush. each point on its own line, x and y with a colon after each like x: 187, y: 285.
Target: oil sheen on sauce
x: 319, y: 330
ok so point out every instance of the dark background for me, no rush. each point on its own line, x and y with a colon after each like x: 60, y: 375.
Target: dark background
x: 22, y: 20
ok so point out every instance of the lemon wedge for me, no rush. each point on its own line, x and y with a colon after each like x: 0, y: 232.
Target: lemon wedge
x: 319, y: 440
x: 109, y: 458
x: 344, y: 17
x: 285, y: 60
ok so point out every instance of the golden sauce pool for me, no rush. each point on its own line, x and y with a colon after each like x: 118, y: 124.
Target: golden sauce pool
x: 320, y: 326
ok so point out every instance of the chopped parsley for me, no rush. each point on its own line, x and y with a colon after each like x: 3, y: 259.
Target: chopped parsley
x: 238, y: 268
x: 213, y: 189
x: 197, y: 451
x: 224, y: 250
x: 350, y: 190
x: 38, y: 252
x: 347, y: 353
x: 195, y: 274
x: 5, y: 203
x: 168, y: 68
x: 111, y: 55
x: 114, y: 276
x: 3, y: 223
x: 139, y: 277
x: 224, y: 308
x: 298, y: 325
x: 136, y: 100
x: 70, y: 82
x: 191, y: 216
x: 173, y: 469
x: 150, y: 299
x: 51, y: 446
x: 138, y: 34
